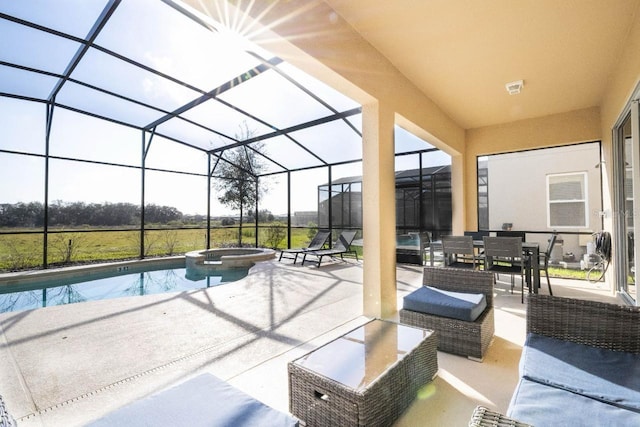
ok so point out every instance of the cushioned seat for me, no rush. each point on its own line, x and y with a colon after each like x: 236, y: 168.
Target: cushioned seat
x: 456, y: 305
x: 541, y: 405
x: 609, y: 376
x: 201, y: 401
x: 443, y: 305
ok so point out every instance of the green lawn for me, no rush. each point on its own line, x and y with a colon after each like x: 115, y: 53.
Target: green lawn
x: 24, y: 251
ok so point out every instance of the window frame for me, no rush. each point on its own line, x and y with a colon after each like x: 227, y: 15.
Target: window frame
x: 585, y: 200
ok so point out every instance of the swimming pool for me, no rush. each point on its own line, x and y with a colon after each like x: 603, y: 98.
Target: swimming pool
x: 122, y: 282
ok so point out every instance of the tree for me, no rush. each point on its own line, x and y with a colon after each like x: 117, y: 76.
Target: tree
x: 237, y: 170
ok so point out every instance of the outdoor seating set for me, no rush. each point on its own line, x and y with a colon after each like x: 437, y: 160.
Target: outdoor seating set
x: 317, y: 247
x: 579, y: 362
x: 577, y: 366
x: 505, y: 253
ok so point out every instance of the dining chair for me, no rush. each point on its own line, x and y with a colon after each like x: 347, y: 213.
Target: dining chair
x: 458, y: 252
x: 510, y: 233
x: 545, y: 257
x: 478, y: 235
x: 504, y: 255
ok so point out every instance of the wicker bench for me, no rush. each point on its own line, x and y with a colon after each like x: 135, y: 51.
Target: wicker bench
x: 578, y: 364
x: 455, y: 336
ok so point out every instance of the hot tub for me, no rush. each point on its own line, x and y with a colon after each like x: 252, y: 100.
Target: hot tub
x: 225, y: 258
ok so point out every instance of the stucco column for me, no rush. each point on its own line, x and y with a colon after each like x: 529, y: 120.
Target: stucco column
x: 379, y: 213
x: 458, y: 194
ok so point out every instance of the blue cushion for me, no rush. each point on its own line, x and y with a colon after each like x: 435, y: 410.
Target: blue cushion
x: 541, y: 405
x: 202, y: 401
x: 456, y: 305
x: 605, y: 375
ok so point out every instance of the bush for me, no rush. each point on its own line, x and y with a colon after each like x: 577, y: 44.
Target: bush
x: 275, y: 235
x: 313, y: 229
x: 228, y: 221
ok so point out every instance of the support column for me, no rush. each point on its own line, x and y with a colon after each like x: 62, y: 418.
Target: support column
x: 379, y: 213
x: 458, y: 194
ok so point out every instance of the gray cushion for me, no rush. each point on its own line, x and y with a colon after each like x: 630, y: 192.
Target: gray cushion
x: 605, y: 375
x: 542, y: 405
x: 202, y: 401
x: 456, y: 305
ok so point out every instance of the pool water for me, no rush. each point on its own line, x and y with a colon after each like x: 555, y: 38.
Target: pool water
x: 59, y: 292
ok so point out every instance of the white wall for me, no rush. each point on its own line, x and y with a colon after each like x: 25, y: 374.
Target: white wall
x: 518, y: 190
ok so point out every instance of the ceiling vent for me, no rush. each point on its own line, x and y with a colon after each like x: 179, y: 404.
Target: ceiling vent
x: 514, y: 87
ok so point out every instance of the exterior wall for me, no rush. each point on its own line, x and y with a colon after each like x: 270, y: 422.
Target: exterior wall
x: 623, y: 82
x: 550, y: 131
x: 518, y: 191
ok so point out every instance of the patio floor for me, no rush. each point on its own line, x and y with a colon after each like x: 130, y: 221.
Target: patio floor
x: 67, y: 365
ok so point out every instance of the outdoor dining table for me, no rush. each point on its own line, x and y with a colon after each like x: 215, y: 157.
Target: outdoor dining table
x: 529, y: 249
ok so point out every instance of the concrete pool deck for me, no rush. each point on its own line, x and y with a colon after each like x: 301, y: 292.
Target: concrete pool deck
x: 67, y: 365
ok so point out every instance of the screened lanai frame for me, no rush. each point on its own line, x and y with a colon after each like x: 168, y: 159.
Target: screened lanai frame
x: 97, y: 58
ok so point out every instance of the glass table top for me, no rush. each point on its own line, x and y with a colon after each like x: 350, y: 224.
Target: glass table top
x: 359, y: 357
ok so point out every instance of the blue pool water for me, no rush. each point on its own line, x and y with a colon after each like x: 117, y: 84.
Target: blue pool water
x: 58, y: 292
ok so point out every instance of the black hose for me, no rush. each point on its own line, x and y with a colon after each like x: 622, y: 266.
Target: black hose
x: 603, y: 245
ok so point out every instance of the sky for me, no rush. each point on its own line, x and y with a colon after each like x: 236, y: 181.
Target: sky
x: 199, y: 58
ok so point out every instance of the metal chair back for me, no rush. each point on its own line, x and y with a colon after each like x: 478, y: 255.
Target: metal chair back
x: 503, y: 247
x: 458, y: 251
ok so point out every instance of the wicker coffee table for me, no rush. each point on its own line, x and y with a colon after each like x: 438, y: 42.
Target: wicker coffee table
x: 366, y: 377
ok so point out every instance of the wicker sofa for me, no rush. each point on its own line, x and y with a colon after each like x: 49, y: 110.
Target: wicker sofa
x: 580, y: 364
x: 462, y: 337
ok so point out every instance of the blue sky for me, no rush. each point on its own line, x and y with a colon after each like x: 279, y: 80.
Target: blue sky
x: 155, y: 35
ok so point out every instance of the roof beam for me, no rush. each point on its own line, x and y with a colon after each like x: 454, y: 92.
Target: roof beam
x: 213, y: 94
x: 82, y: 50
x: 322, y: 120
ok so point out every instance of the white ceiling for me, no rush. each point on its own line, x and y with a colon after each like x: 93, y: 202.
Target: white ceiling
x: 461, y: 53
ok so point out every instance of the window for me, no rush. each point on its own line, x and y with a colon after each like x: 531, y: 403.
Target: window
x: 567, y: 202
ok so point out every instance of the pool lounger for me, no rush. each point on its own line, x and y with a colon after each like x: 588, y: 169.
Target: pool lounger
x: 204, y: 400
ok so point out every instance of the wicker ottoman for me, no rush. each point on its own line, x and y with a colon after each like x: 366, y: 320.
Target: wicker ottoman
x: 367, y: 377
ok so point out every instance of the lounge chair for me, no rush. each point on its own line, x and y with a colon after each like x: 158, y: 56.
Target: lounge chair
x: 340, y: 247
x: 317, y: 243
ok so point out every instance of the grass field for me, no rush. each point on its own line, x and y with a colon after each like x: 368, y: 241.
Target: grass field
x: 25, y: 251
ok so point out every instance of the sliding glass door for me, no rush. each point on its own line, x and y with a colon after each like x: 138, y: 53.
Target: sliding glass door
x: 626, y: 170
